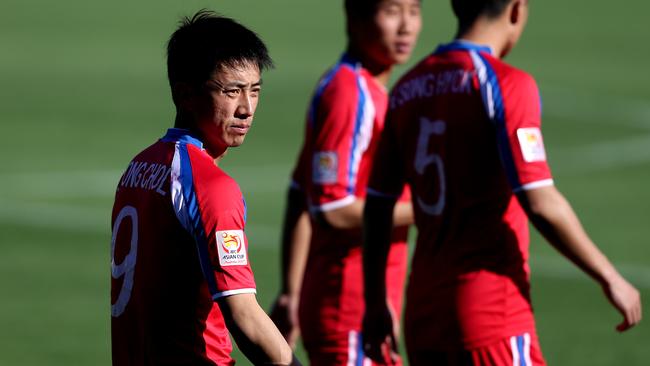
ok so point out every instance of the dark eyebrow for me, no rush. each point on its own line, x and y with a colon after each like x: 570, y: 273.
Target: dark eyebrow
x: 237, y: 84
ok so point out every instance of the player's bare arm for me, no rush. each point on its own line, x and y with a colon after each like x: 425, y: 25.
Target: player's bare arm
x: 296, y: 234
x: 379, y: 332
x: 554, y: 217
x: 254, y: 331
x: 351, y: 216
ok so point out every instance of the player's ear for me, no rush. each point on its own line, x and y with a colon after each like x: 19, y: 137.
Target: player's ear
x: 515, y: 10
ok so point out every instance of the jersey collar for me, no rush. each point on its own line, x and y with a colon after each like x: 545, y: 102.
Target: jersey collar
x: 357, y: 66
x: 463, y: 45
x: 350, y: 61
x: 181, y: 135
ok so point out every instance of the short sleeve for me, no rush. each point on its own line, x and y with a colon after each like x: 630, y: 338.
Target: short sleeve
x: 216, y: 218
x: 338, y: 126
x: 520, y: 137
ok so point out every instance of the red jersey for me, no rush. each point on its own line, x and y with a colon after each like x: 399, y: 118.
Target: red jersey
x: 344, y: 123
x: 464, y: 131
x: 178, y: 244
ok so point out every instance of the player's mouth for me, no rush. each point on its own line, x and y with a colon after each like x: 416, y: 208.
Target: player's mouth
x: 240, y: 129
x: 403, y: 47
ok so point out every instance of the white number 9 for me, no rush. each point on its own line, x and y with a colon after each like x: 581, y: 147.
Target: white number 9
x: 127, y: 267
x: 423, y: 159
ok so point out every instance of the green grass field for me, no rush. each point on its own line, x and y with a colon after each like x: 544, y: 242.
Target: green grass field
x: 83, y: 89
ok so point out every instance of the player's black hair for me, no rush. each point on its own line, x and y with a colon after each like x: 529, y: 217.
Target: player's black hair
x: 207, y: 41
x: 360, y: 9
x: 467, y: 11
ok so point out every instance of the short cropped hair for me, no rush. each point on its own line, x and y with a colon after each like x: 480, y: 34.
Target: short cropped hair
x: 360, y: 9
x: 208, y: 41
x: 467, y: 11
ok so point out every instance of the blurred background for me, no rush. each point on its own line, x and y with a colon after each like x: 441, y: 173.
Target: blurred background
x: 83, y: 88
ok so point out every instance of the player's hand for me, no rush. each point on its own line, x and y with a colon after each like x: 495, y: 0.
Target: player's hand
x: 626, y: 299
x: 284, y: 314
x: 378, y: 335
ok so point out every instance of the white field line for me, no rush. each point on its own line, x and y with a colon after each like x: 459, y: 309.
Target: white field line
x: 600, y: 156
x: 70, y: 218
x: 587, y: 108
x: 606, y: 155
x: 75, y: 218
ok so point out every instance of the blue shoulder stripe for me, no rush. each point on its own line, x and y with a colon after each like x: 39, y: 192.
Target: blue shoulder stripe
x: 345, y: 60
x: 191, y: 204
x: 181, y: 135
x: 495, y: 108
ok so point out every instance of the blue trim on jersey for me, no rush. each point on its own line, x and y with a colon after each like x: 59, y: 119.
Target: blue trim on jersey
x: 461, y: 45
x: 520, y: 349
x: 357, y: 134
x: 181, y: 135
x: 245, y: 210
x: 192, y: 203
x: 324, y: 82
x: 360, y: 355
x: 503, y: 140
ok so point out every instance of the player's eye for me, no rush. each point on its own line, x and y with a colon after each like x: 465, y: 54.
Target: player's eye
x: 232, y: 92
x: 391, y: 9
x: 414, y: 10
x: 255, y: 92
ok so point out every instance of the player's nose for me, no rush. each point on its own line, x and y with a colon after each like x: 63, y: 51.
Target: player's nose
x: 409, y: 21
x: 245, y: 106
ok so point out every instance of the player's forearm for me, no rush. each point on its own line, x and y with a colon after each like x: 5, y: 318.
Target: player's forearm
x: 351, y: 216
x: 296, y: 236
x: 378, y: 221
x: 554, y: 217
x: 254, y: 332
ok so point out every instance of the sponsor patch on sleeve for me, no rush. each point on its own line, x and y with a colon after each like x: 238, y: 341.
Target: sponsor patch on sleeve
x: 531, y: 143
x: 231, y: 248
x: 325, y: 167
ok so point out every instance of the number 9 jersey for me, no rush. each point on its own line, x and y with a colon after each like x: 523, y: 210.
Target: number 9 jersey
x: 463, y: 130
x: 178, y: 244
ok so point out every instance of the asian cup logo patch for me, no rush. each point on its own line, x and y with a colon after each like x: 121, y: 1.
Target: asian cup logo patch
x: 231, y: 248
x: 325, y: 167
x: 532, y: 145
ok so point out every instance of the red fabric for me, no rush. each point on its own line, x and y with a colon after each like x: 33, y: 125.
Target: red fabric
x: 338, y: 124
x: 469, y: 284
x: 169, y: 316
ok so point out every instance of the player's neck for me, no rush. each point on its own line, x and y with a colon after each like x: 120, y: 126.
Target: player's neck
x: 380, y: 72
x: 185, y: 121
x: 485, y: 33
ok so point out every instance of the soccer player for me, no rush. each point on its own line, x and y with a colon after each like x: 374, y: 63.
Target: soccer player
x: 344, y: 122
x: 463, y: 130
x: 181, y: 275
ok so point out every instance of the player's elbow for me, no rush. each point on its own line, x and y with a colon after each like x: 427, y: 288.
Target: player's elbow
x: 545, y: 205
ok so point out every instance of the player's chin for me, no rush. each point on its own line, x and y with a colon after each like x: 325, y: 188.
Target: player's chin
x: 400, y: 58
x: 237, y: 140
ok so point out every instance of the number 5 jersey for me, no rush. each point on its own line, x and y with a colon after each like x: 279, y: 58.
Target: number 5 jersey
x: 463, y: 130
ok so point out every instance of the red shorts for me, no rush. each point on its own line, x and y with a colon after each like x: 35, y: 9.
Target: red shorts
x: 521, y: 350
x: 331, y: 304
x: 334, y: 352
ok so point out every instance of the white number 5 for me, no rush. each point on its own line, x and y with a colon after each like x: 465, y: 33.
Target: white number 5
x: 127, y: 267
x: 423, y: 159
